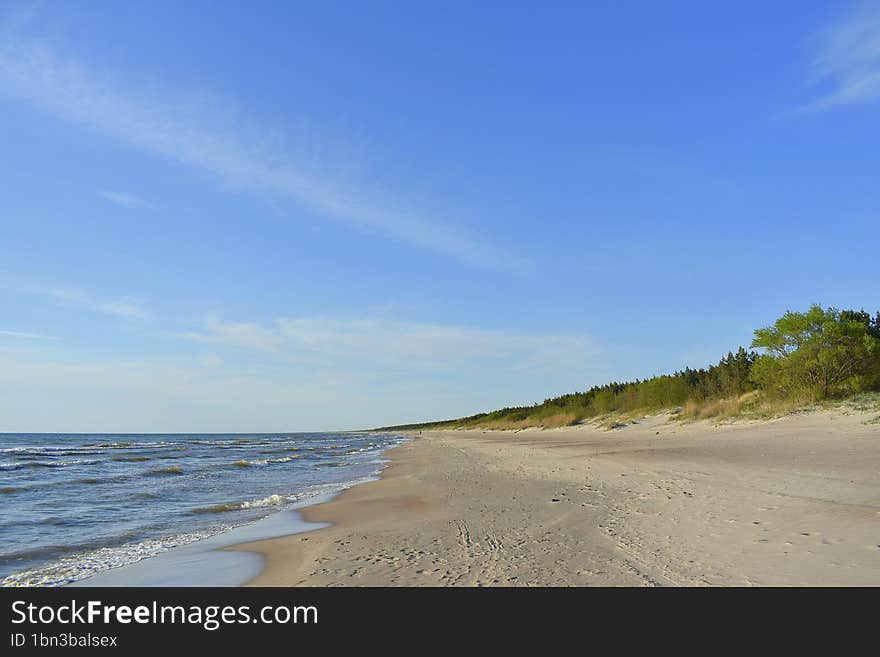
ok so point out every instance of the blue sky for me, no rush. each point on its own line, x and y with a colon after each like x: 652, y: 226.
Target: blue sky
x: 305, y: 216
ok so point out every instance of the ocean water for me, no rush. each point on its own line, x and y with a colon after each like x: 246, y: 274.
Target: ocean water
x: 73, y: 505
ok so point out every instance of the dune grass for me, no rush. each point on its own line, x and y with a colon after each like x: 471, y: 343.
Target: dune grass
x: 753, y: 405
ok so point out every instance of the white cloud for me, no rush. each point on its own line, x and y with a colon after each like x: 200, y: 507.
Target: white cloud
x: 235, y: 334
x: 26, y: 336
x: 123, y: 199
x: 130, y: 307
x: 330, y: 341
x: 848, y: 58
x: 202, y: 134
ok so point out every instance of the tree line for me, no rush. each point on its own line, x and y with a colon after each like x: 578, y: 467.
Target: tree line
x: 802, y: 357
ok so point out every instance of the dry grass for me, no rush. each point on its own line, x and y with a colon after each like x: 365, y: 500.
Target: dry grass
x: 719, y: 408
x: 753, y: 405
x: 561, y: 419
x: 700, y: 410
x: 757, y: 406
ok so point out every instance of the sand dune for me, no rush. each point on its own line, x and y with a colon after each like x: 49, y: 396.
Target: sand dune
x: 793, y: 501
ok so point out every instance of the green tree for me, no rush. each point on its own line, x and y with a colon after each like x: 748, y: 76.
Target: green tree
x: 821, y: 353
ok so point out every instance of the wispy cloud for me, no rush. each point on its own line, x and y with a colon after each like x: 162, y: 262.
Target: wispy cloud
x: 394, y: 343
x: 202, y: 134
x: 123, y: 199
x: 235, y: 334
x: 26, y: 336
x: 848, y: 59
x: 130, y: 307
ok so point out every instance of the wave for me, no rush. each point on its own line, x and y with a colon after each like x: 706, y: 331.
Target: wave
x: 173, y: 470
x: 87, y: 562
x: 48, y: 452
x: 278, y: 500
x: 145, y: 495
x: 285, y: 459
x: 68, y: 548
x: 40, y: 449
x: 213, y: 443
x: 18, y: 465
x: 360, y: 450
x: 271, y: 500
x: 56, y: 521
x: 243, y: 463
x: 142, y: 445
x: 232, y: 442
x: 65, y: 482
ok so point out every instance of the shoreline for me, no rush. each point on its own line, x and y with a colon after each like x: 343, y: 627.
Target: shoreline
x: 383, y: 493
x: 790, y: 501
x: 78, y: 506
x: 212, y: 561
x: 215, y: 560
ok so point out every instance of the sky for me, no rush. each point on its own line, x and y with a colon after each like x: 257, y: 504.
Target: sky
x: 254, y: 217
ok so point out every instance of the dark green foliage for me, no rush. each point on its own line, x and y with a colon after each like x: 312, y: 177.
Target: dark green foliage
x: 872, y: 324
x: 819, y: 354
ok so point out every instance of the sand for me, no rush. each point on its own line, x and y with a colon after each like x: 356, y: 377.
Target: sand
x: 792, y: 501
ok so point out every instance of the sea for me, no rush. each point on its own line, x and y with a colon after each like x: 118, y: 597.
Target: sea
x: 76, y: 505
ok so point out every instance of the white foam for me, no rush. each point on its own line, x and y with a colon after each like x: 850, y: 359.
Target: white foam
x: 272, y: 500
x: 312, y: 491
x: 46, y: 464
x: 79, y: 566
x: 284, y: 459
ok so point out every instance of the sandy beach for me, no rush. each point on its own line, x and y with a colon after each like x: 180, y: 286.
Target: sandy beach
x: 791, y: 501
